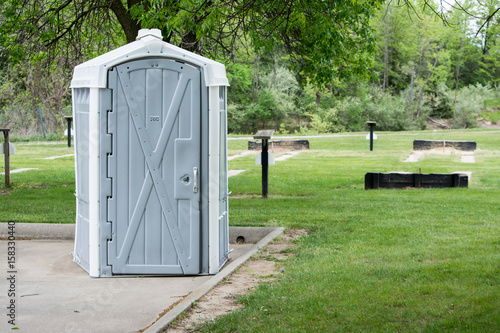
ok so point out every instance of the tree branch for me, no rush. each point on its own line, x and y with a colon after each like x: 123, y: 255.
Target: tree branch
x: 129, y: 25
x: 487, y: 20
x: 76, y: 21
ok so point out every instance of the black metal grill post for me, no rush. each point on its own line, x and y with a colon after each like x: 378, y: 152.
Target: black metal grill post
x: 264, y: 135
x: 69, y: 119
x: 372, y: 124
x: 265, y: 169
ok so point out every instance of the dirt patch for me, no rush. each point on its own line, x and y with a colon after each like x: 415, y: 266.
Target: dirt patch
x: 487, y: 124
x: 261, y: 268
x: 440, y: 124
x: 418, y: 154
x: 439, y: 151
x: 38, y: 187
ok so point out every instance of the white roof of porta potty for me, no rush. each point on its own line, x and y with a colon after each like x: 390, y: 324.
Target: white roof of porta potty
x: 149, y: 43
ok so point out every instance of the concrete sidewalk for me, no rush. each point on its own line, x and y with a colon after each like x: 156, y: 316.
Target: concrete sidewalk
x: 53, y: 294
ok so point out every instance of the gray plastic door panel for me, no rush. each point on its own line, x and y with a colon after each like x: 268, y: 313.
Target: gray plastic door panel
x: 154, y: 168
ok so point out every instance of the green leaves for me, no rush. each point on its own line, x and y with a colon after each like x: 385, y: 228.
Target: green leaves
x: 324, y: 38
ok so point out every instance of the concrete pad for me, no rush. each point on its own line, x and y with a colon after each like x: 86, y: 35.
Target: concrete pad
x: 231, y: 173
x: 53, y: 294
x: 40, y: 231
x: 54, y: 157
x: 468, y: 159
x: 245, y: 153
x: 415, y: 157
x: 241, y: 235
x: 19, y: 170
x: 466, y: 156
x: 288, y: 155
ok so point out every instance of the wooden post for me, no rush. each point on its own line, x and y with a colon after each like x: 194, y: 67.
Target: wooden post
x: 7, y: 155
x: 417, y: 182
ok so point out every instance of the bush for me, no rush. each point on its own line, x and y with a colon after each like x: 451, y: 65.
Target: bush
x: 326, y: 121
x: 354, y: 113
x: 441, y: 104
x: 274, y: 107
x: 469, y: 103
x: 275, y: 100
x: 391, y: 114
x: 265, y: 112
x: 236, y: 119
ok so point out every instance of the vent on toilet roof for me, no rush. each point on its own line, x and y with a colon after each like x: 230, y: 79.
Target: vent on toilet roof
x: 149, y: 32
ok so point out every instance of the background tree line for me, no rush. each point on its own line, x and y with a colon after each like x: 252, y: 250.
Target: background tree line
x: 423, y: 68
x: 296, y: 66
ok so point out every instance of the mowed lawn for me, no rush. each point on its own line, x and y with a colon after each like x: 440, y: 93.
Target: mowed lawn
x: 46, y: 192
x: 415, y: 260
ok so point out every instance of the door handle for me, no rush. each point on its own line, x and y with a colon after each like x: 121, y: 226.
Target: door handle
x: 195, y: 181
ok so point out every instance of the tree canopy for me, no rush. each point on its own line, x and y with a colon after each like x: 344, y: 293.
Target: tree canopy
x: 325, y: 65
x: 324, y: 38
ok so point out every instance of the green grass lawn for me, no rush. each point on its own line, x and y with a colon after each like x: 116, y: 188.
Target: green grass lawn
x: 381, y: 260
x: 416, y: 260
x: 45, y: 194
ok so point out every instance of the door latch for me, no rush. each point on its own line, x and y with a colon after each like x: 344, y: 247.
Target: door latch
x: 195, y: 181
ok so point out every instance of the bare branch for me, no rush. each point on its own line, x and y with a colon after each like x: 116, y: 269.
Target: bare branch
x: 69, y: 28
x: 487, y: 20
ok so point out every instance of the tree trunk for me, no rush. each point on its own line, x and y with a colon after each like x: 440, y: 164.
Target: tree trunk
x: 419, y: 68
x: 411, y: 86
x: 457, y: 77
x: 486, y: 40
x: 33, y: 81
x: 256, y: 61
x: 275, y: 69
x: 386, y: 52
x: 129, y: 25
x: 191, y: 43
x: 427, y: 79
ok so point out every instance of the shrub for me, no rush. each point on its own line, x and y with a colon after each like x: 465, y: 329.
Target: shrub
x: 353, y: 113
x: 236, y: 118
x: 441, y: 104
x: 326, y: 121
x: 469, y: 103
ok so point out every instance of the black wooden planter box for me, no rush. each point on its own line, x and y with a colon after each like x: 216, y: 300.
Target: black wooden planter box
x: 431, y: 144
x: 375, y: 180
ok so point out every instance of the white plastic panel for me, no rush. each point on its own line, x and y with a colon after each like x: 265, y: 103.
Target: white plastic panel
x: 93, y: 73
x: 213, y: 166
x: 223, y: 189
x: 81, y: 107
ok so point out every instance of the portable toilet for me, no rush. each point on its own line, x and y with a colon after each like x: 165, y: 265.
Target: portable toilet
x: 151, y: 161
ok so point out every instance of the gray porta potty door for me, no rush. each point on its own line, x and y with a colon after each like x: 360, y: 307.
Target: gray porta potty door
x: 154, y: 168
